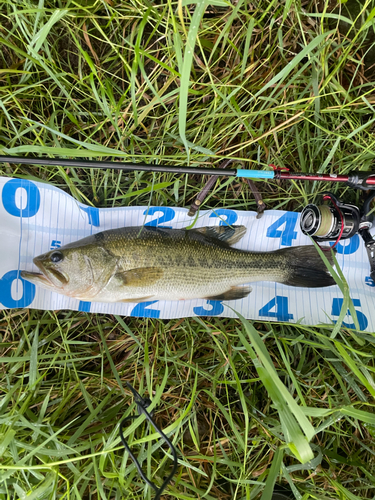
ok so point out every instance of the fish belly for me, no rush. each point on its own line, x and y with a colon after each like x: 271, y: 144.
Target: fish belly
x: 179, y: 285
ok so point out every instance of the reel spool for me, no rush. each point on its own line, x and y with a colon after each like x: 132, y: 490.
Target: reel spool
x: 340, y: 221
x: 330, y: 222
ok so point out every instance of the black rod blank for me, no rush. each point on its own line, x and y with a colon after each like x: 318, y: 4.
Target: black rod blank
x: 144, y: 167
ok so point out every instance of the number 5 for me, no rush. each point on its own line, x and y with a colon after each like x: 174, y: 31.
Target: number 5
x: 362, y: 320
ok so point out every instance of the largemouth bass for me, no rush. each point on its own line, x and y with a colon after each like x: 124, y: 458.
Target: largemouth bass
x: 135, y: 264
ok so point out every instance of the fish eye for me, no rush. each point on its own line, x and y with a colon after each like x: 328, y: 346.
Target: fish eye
x: 56, y: 257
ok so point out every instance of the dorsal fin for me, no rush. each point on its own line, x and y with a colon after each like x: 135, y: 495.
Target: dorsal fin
x: 225, y: 234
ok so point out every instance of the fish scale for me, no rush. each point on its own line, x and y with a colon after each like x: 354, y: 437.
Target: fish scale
x: 136, y: 264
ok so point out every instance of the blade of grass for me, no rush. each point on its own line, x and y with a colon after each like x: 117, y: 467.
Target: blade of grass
x: 273, y: 475
x: 291, y: 417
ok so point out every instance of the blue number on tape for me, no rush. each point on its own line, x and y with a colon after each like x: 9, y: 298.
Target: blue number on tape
x: 32, y: 204
x: 362, y: 320
x: 84, y: 306
x: 141, y: 311
x: 28, y: 290
x: 369, y: 281
x: 350, y: 248
x: 55, y: 244
x: 93, y: 215
x: 280, y: 304
x: 215, y: 307
x: 288, y: 234
x: 229, y: 215
x: 168, y: 215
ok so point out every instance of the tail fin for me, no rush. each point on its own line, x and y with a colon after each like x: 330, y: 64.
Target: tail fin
x: 306, y: 267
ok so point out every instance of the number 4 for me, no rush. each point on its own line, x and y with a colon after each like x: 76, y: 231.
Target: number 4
x: 288, y: 234
x: 280, y: 304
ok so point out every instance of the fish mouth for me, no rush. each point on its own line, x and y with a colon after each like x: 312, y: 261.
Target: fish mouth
x: 51, y: 274
x: 47, y: 278
x: 37, y: 278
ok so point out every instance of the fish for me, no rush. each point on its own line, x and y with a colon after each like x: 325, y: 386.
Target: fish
x: 137, y: 264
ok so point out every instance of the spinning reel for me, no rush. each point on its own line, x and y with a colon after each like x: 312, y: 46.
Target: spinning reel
x: 337, y: 221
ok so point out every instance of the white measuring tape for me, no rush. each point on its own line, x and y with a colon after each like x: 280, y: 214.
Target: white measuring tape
x: 37, y: 217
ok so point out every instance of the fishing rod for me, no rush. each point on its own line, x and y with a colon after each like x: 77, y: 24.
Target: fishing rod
x: 323, y: 223
x: 355, y: 179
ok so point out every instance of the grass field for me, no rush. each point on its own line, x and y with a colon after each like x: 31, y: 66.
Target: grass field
x: 246, y: 404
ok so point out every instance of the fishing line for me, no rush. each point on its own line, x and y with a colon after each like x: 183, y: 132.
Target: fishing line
x: 327, y: 197
x: 142, y: 405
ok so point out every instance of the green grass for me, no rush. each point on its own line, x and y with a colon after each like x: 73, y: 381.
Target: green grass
x: 246, y: 404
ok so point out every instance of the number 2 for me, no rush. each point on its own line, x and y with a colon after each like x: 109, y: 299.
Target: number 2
x: 141, y: 311
x: 168, y: 215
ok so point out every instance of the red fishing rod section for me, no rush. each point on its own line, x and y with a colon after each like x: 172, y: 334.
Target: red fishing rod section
x: 355, y: 179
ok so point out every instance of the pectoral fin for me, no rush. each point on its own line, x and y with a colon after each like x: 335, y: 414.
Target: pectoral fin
x: 234, y: 293
x: 141, y: 277
x: 229, y: 235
